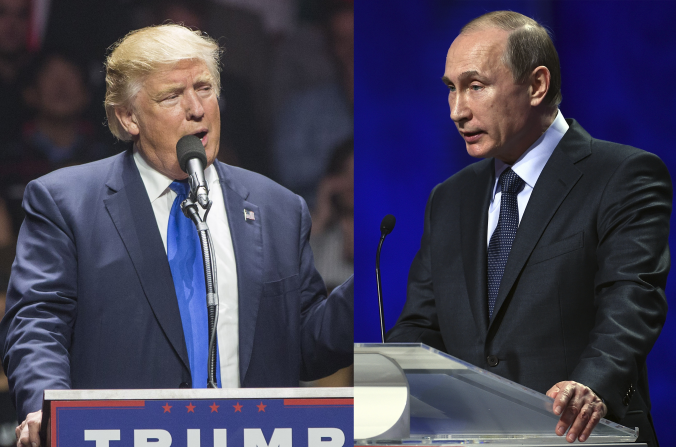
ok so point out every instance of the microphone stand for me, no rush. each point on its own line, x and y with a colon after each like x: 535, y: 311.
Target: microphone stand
x: 380, y: 292
x: 386, y: 227
x: 189, y: 208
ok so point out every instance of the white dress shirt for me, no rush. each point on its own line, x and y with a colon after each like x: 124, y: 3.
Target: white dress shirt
x: 528, y: 167
x: 161, y: 199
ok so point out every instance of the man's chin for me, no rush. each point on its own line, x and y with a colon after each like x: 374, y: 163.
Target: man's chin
x: 476, y: 151
x: 211, y: 155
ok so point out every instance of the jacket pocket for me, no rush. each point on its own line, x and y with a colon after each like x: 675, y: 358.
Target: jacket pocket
x: 559, y: 248
x: 282, y: 286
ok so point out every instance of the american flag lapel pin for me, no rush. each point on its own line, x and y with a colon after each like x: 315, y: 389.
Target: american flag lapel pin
x: 248, y: 215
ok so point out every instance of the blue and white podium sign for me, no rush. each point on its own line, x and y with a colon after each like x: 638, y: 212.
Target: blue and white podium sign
x: 253, y: 417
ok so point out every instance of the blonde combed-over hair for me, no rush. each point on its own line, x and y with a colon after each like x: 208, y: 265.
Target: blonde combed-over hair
x: 147, y: 50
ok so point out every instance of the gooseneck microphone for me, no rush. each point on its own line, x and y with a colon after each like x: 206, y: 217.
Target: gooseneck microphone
x: 193, y: 160
x: 386, y: 227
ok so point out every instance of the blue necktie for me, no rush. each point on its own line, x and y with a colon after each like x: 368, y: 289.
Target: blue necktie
x: 504, y: 234
x: 187, y: 270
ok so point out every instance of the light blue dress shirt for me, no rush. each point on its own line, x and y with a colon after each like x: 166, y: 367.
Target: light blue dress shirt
x: 528, y: 167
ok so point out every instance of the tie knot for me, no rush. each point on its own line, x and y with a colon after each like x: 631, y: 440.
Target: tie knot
x: 180, y: 187
x: 510, y: 182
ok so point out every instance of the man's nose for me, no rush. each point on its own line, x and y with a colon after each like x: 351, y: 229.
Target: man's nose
x: 460, y: 109
x: 194, y: 109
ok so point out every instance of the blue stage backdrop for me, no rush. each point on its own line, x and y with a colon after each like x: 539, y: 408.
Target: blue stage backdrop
x: 618, y: 60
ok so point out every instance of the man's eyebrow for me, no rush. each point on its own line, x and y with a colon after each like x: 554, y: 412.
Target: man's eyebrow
x: 464, y: 76
x: 470, y: 74
x: 203, y: 80
x: 175, y: 88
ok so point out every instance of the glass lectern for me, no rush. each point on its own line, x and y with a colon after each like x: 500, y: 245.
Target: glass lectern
x: 411, y: 394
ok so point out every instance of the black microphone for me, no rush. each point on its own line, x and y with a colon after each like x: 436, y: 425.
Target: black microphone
x: 192, y: 159
x: 386, y: 227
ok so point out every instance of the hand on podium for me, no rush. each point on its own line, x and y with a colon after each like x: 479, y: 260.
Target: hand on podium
x: 28, y: 432
x: 580, y: 409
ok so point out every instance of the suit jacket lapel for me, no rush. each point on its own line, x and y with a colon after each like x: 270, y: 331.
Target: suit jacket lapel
x: 247, y: 242
x: 474, y: 227
x: 555, y: 182
x: 132, y: 215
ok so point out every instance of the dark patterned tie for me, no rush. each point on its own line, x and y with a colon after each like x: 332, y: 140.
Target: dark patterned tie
x: 504, y: 234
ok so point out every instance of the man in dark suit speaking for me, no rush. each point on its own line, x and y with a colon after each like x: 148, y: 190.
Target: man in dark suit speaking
x: 546, y: 263
x: 105, y: 289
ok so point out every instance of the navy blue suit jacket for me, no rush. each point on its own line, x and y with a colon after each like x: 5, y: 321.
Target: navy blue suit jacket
x: 91, y: 301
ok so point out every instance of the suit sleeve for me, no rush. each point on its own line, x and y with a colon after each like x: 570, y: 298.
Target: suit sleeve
x: 35, y: 333
x: 327, y: 323
x: 633, y: 263
x: 418, y: 321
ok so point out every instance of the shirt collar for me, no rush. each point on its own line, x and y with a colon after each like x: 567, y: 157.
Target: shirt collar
x: 157, y: 184
x: 531, y: 163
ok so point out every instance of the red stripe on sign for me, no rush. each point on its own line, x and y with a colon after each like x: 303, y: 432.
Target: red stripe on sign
x: 319, y: 402
x: 99, y: 403
x: 87, y: 403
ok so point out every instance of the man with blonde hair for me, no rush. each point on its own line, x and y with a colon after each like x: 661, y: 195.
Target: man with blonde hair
x: 105, y: 289
x: 546, y: 263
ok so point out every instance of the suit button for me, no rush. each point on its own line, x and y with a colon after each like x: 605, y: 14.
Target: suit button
x: 184, y: 385
x: 492, y: 360
x: 626, y: 399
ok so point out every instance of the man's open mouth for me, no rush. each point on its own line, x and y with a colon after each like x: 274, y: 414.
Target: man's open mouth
x: 202, y: 136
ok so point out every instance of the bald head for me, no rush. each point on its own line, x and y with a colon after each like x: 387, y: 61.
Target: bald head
x: 528, y: 46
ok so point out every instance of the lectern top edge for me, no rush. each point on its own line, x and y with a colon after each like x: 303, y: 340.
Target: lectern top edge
x: 181, y: 394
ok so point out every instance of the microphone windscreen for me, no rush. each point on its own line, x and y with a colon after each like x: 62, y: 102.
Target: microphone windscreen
x: 189, y: 147
x: 387, y: 225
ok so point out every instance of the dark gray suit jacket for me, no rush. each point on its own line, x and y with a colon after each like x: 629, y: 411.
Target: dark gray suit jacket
x: 582, y: 297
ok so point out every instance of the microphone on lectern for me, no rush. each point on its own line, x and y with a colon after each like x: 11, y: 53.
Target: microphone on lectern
x: 386, y: 227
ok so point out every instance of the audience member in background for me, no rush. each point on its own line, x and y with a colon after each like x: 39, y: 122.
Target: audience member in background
x: 8, y: 421
x: 314, y: 121
x: 278, y: 16
x: 332, y: 237
x: 303, y: 58
x: 7, y: 249
x: 14, y: 16
x: 56, y: 136
x: 7, y: 246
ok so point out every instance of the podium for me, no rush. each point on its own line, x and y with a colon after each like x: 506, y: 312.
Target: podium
x: 411, y: 394
x: 244, y: 417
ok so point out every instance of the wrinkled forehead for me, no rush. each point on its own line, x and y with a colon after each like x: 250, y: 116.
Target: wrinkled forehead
x: 181, y: 73
x: 480, y: 50
x: 196, y: 67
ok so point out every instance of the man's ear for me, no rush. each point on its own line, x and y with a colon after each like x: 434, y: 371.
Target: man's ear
x: 539, y: 85
x: 127, y: 118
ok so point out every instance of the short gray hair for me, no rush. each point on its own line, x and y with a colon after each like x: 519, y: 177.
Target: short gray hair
x: 529, y: 46
x: 144, y: 51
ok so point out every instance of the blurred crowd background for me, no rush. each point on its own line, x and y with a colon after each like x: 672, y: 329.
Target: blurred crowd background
x: 286, y: 104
